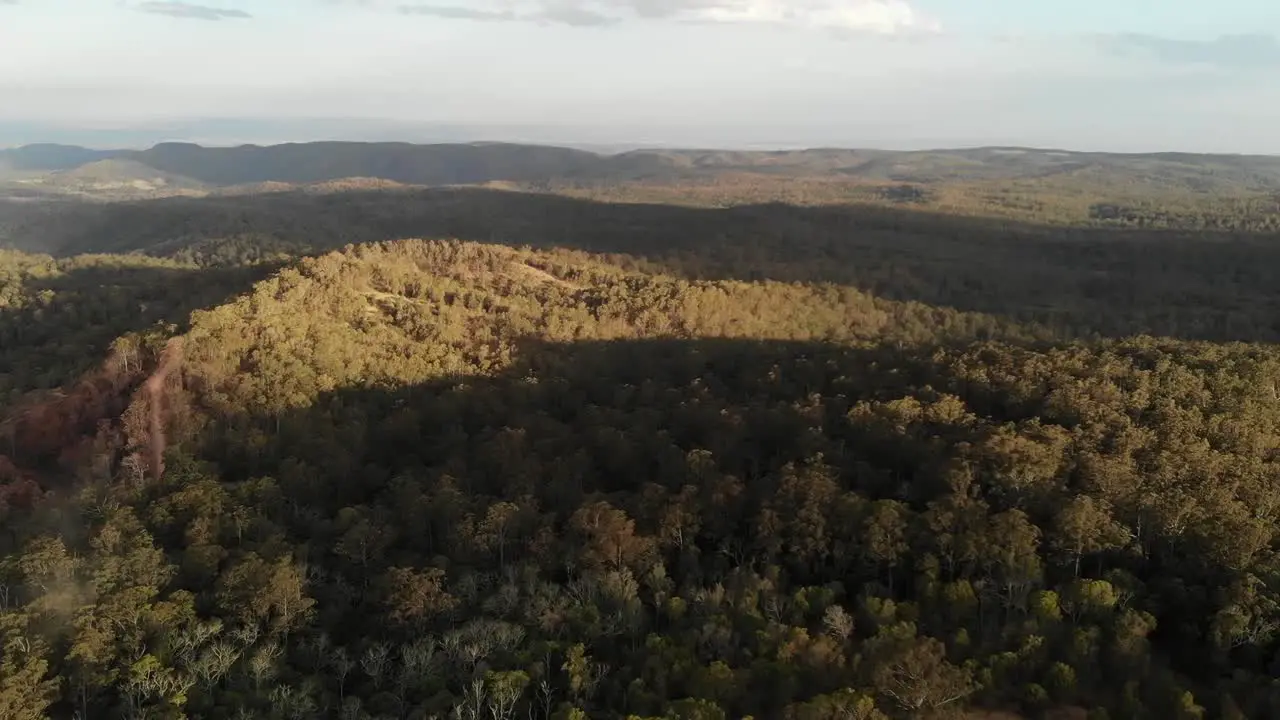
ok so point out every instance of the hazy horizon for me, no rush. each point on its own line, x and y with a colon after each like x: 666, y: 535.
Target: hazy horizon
x: 895, y: 74
x: 224, y: 133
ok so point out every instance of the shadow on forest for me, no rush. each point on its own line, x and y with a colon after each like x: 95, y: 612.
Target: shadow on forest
x: 86, y: 307
x: 633, y: 421
x: 751, y: 403
x: 572, y: 420
x: 724, y: 395
x: 1081, y: 281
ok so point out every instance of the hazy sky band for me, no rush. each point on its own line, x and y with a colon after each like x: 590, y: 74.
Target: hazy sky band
x: 1111, y: 75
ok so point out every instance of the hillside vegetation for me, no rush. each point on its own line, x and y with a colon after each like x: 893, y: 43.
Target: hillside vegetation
x: 400, y: 162
x: 261, y: 456
x: 1157, y: 189
x: 49, y: 157
x: 414, y: 478
x: 1081, y: 281
x: 477, y: 162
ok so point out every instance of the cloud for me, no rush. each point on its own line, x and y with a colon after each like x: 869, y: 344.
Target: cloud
x: 880, y: 16
x: 1251, y: 50
x: 574, y: 15
x: 875, y: 16
x: 454, y: 12
x: 188, y: 10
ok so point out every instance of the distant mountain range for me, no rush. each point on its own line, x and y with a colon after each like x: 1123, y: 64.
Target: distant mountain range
x: 47, y: 157
x: 177, y: 168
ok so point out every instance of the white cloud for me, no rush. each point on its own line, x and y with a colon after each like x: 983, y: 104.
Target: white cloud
x: 880, y: 16
x: 178, y: 9
x: 875, y: 16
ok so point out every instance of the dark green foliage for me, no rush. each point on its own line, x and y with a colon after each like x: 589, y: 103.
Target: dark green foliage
x: 1078, y: 282
x: 400, y: 162
x: 59, y: 316
x: 448, y: 479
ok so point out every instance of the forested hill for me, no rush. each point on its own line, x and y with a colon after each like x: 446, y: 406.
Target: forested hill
x: 466, y: 163
x: 48, y: 157
x: 1197, y: 283
x: 444, y: 479
x: 399, y: 162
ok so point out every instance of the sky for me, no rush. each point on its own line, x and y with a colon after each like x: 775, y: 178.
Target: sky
x: 1115, y: 75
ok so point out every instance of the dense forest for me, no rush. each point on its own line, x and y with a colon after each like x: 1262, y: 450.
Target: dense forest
x: 571, y: 457
x: 1081, y: 280
x: 1152, y: 190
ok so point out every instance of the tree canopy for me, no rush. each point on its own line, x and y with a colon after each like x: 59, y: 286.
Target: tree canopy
x: 442, y: 478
